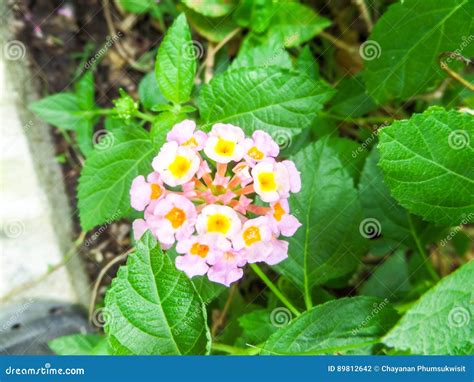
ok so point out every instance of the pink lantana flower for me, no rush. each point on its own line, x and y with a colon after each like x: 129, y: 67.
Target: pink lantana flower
x: 176, y: 164
x: 144, y: 191
x: 199, y: 251
x: 225, y: 143
x: 222, y: 198
x: 260, y: 147
x: 254, y: 237
x: 227, y: 268
x: 173, y: 218
x: 282, y: 222
x: 184, y: 134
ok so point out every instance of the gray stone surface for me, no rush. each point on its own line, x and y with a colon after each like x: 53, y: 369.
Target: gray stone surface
x: 35, y: 217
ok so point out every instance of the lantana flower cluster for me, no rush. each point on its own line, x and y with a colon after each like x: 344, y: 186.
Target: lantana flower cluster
x: 221, y: 197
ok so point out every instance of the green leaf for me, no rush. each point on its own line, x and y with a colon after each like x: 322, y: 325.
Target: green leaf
x: 270, y: 99
x: 85, y: 136
x: 211, y: 8
x: 162, y: 125
x: 176, y: 62
x: 345, y: 148
x: 393, y: 221
x: 307, y: 64
x: 257, y: 325
x: 60, y: 110
x: 351, y: 99
x: 136, y: 6
x: 440, y: 322
x: 104, y: 185
x: 271, y: 54
x: 336, y: 326
x: 295, y: 23
x: 425, y: 163
x: 255, y: 14
x: 328, y: 244
x: 214, y: 29
x: 85, y: 91
x: 390, y: 280
x: 401, y: 54
x: 149, y: 92
x: 153, y: 309
x: 79, y: 344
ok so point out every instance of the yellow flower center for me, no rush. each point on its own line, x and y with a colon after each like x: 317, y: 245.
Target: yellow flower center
x: 155, y: 191
x: 180, y: 166
x: 251, y: 235
x: 218, y: 223
x: 278, y: 211
x: 176, y: 216
x: 225, y: 148
x: 255, y: 153
x: 191, y: 142
x: 200, y: 250
x: 267, y: 181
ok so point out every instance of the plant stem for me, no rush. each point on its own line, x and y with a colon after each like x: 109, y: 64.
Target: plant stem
x: 339, y: 43
x: 145, y: 117
x: 274, y: 289
x: 424, y: 257
x: 234, y: 350
x: 457, y: 77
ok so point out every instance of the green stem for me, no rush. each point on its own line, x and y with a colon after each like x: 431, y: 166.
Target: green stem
x: 95, y: 112
x: 274, y: 289
x: 234, y: 350
x: 307, y: 295
x: 419, y: 246
x: 145, y: 117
